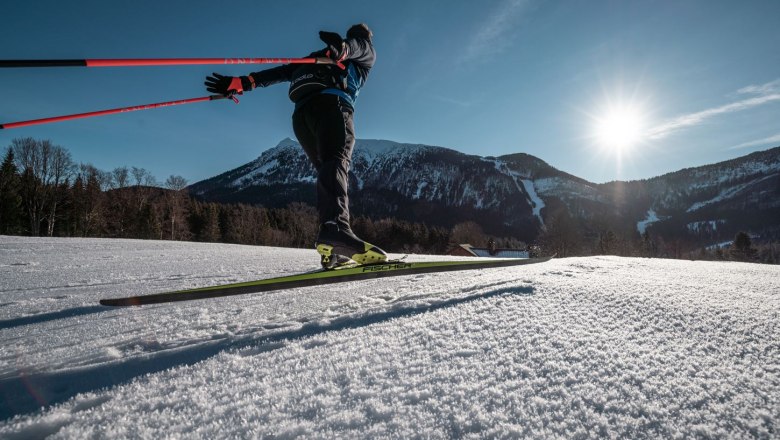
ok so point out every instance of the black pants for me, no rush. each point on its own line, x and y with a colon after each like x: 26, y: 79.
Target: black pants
x: 325, y: 129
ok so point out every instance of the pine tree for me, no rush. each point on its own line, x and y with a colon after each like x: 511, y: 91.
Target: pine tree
x: 77, y: 207
x: 649, y: 245
x: 561, y: 236
x: 607, y: 243
x: 149, y: 223
x: 94, y: 203
x: 10, y: 202
x: 211, y: 231
x: 742, y: 249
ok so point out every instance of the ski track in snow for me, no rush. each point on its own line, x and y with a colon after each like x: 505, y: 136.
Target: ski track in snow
x: 580, y: 347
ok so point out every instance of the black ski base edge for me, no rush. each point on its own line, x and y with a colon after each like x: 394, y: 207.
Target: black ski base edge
x: 392, y: 269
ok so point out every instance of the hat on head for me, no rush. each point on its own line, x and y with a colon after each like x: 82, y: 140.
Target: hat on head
x: 360, y: 31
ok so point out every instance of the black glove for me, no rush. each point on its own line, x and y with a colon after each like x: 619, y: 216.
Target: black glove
x: 337, y: 50
x: 228, y: 85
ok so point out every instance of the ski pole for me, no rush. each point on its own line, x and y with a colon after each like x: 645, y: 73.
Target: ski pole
x: 124, y: 62
x: 112, y: 111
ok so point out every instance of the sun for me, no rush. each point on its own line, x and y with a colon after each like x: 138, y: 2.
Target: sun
x: 620, y: 128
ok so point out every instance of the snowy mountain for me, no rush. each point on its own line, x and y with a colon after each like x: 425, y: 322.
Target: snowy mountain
x: 408, y: 181
x: 712, y: 202
x: 515, y: 194
x: 600, y: 347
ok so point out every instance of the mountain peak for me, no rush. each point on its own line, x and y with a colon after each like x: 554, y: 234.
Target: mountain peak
x: 376, y: 146
x: 287, y: 142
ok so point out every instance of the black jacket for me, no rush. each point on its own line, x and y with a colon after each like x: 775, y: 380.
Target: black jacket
x: 359, y: 61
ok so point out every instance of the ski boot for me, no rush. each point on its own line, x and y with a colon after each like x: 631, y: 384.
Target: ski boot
x: 340, y: 248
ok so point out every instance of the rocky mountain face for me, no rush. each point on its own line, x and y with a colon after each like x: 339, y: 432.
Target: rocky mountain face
x: 519, y: 195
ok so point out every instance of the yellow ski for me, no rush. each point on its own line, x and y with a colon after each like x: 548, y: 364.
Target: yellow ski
x: 366, y: 271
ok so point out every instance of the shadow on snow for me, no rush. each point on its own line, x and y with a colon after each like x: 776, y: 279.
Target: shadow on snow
x: 52, y: 316
x: 28, y: 393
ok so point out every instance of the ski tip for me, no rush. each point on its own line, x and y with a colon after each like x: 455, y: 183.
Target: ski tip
x: 120, y: 302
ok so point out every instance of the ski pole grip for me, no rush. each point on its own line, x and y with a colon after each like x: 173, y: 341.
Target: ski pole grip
x: 326, y: 60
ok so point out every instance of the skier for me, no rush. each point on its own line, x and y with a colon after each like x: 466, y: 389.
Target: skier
x: 324, y: 97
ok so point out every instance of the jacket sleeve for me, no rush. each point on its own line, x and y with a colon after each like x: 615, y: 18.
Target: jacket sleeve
x: 361, y: 52
x: 274, y: 75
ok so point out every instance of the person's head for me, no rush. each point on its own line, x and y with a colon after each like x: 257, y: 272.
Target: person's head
x: 360, y: 31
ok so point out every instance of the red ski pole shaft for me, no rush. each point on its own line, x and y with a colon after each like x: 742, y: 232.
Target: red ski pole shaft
x: 109, y: 112
x: 124, y: 62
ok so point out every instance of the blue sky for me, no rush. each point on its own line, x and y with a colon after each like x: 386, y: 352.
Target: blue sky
x: 701, y: 79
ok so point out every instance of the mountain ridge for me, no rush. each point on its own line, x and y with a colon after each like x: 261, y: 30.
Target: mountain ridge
x: 517, y: 194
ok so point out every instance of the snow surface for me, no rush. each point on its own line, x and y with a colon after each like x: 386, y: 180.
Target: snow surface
x: 373, y: 148
x: 650, y: 218
x: 707, y: 225
x: 536, y: 201
x: 523, y: 183
x: 572, y: 348
x: 563, y: 188
x: 248, y: 178
x: 420, y: 187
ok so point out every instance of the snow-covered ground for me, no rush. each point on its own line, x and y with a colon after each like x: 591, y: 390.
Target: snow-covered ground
x: 580, y: 347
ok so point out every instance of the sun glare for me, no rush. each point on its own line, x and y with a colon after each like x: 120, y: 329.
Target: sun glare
x: 619, y: 129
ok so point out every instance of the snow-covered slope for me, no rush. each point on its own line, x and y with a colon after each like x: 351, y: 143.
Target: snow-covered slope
x: 585, y: 347
x: 512, y: 195
x: 420, y: 183
x: 739, y: 194
x: 726, y: 180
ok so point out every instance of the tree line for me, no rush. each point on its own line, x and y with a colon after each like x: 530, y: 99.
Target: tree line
x: 566, y: 236
x: 44, y: 192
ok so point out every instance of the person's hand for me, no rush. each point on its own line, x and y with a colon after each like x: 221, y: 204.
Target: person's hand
x: 337, y: 50
x: 228, y: 85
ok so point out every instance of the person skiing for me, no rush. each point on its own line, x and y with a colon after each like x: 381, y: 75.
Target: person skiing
x: 324, y: 95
